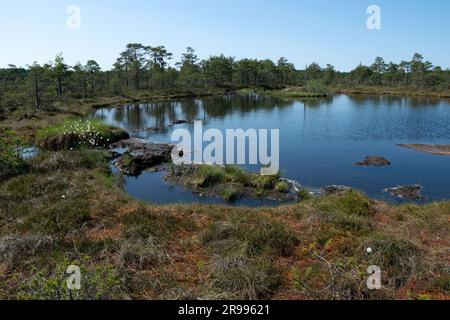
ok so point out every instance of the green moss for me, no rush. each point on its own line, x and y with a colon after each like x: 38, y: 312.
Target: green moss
x: 72, y: 134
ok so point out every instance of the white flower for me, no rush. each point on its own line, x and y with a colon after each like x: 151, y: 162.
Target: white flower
x: 369, y: 250
x: 63, y: 196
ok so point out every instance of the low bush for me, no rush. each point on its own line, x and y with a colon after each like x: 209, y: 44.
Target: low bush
x: 207, y: 175
x: 11, y: 162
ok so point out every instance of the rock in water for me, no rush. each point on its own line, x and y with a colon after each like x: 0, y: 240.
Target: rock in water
x: 407, y: 192
x: 142, y: 156
x: 373, y: 161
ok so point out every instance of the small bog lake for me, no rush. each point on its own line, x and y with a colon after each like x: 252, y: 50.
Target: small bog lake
x: 320, y: 140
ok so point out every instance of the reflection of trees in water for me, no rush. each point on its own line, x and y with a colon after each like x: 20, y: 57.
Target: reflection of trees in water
x: 316, y: 102
x: 159, y: 114
x: 393, y: 101
x: 191, y: 110
x: 424, y: 102
x: 134, y: 115
x: 219, y: 107
x: 166, y: 112
x: 118, y: 114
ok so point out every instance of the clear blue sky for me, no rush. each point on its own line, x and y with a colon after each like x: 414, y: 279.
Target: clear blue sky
x: 304, y: 31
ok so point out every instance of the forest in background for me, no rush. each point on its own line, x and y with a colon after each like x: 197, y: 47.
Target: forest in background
x: 146, y: 68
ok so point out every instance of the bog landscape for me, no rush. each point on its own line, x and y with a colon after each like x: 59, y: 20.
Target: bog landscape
x: 88, y: 179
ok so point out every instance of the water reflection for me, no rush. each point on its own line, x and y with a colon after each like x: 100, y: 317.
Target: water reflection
x: 320, y: 138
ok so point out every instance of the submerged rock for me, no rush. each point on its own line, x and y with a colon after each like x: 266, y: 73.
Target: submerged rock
x: 407, y: 192
x: 373, y: 161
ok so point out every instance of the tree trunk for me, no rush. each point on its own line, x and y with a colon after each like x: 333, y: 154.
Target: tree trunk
x: 36, y: 92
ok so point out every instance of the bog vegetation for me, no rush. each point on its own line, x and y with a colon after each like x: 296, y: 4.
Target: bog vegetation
x: 67, y: 208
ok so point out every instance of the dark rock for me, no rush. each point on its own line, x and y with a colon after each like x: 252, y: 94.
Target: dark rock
x: 329, y: 190
x: 179, y: 122
x: 112, y: 155
x: 407, y: 192
x: 373, y: 161
x: 143, y: 156
x: 127, y: 143
x: 155, y: 129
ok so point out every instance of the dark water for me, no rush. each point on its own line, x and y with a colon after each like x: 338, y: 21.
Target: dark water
x: 319, y: 139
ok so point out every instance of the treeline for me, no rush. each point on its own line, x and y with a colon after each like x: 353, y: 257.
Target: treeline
x: 141, y: 67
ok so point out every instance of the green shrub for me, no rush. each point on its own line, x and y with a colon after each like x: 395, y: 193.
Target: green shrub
x: 10, y: 157
x: 349, y: 202
x: 282, y: 187
x: 262, y: 183
x: 228, y: 193
x: 237, y: 175
x: 303, y: 194
x: 207, y: 176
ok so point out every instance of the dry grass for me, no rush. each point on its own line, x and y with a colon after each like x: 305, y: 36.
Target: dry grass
x: 315, y: 249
